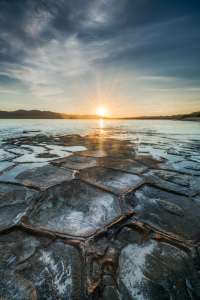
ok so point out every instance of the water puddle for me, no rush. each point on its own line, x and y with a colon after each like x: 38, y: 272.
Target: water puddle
x: 11, y: 174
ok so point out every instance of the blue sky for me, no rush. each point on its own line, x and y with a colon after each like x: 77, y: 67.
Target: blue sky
x: 132, y: 58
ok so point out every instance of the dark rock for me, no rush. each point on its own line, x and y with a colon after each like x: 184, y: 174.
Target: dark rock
x: 155, y: 270
x: 93, y: 153
x: 14, y: 201
x: 37, y: 268
x: 157, y: 208
x: 121, y: 153
x: 116, y: 181
x: 76, y: 162
x: 157, y: 181
x: 126, y: 165
x: 45, y: 177
x: 75, y: 208
x: 4, y: 165
x: 47, y: 155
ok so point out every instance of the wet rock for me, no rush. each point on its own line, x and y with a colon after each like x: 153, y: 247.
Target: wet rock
x: 47, y: 155
x: 192, y: 183
x: 116, y: 181
x: 44, y: 177
x: 37, y: 268
x: 76, y: 162
x: 101, y: 245
x: 155, y: 270
x: 10, y: 175
x: 4, y: 155
x: 185, y: 167
x: 196, y: 199
x: 98, y: 146
x: 126, y: 165
x: 151, y: 177
x: 121, y: 153
x: 93, y: 153
x: 4, y: 165
x: 14, y: 201
x: 165, y: 212
x: 122, y: 147
x: 75, y: 208
x: 149, y: 161
x: 174, y: 209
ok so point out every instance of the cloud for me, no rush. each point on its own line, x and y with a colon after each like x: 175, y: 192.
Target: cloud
x: 44, y: 44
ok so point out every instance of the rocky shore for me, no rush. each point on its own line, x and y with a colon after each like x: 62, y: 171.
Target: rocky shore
x: 97, y: 217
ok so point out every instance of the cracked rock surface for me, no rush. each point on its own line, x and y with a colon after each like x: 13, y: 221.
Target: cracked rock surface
x: 98, y: 217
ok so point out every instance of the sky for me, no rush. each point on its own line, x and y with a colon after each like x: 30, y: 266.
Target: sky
x: 126, y: 57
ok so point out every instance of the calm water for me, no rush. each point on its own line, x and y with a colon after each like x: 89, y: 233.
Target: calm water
x: 179, y: 130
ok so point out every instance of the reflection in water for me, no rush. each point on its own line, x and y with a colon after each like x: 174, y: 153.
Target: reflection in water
x: 101, y: 123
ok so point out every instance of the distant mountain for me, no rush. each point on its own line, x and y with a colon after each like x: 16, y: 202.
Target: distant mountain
x: 37, y: 114
x: 192, y: 115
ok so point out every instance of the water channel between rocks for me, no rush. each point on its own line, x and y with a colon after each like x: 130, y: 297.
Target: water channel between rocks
x: 110, y: 214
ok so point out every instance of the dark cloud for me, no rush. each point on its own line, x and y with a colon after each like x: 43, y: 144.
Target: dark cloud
x: 44, y: 41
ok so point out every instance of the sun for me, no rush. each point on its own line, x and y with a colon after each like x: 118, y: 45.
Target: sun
x: 101, y: 111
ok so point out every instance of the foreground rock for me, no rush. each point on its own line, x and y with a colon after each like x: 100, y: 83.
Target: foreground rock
x: 37, y: 268
x: 172, y: 214
x: 99, y: 218
x: 14, y: 201
x: 75, y: 208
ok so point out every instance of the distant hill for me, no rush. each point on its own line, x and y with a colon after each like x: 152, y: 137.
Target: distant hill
x: 192, y: 115
x: 37, y: 114
x: 174, y: 117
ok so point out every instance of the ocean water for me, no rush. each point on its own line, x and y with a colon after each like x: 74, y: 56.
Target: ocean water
x: 141, y: 130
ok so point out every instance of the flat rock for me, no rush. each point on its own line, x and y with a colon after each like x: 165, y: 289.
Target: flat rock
x: 126, y: 165
x: 196, y: 199
x: 185, y: 167
x: 4, y: 165
x: 149, y: 161
x: 93, y: 153
x: 4, y: 155
x: 121, y: 153
x: 76, y: 162
x: 14, y: 200
x: 152, y: 270
x: 75, y: 208
x: 10, y: 175
x: 113, y: 180
x: 44, y: 177
x: 157, y: 181
x: 171, y: 214
x: 37, y: 268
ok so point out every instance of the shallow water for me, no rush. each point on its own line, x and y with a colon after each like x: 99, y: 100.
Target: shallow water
x: 148, y: 130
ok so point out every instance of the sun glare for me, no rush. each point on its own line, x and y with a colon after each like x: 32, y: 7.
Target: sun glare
x: 101, y: 112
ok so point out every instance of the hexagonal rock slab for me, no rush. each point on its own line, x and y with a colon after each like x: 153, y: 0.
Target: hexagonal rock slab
x: 126, y: 165
x: 37, y: 268
x: 168, y: 213
x: 76, y: 162
x: 121, y: 153
x: 14, y: 200
x: 44, y: 177
x: 75, y: 208
x: 93, y: 153
x: 186, y: 167
x: 151, y: 270
x: 115, y: 181
x: 155, y: 180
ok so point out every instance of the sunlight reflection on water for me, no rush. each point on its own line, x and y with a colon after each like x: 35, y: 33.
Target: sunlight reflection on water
x: 131, y: 129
